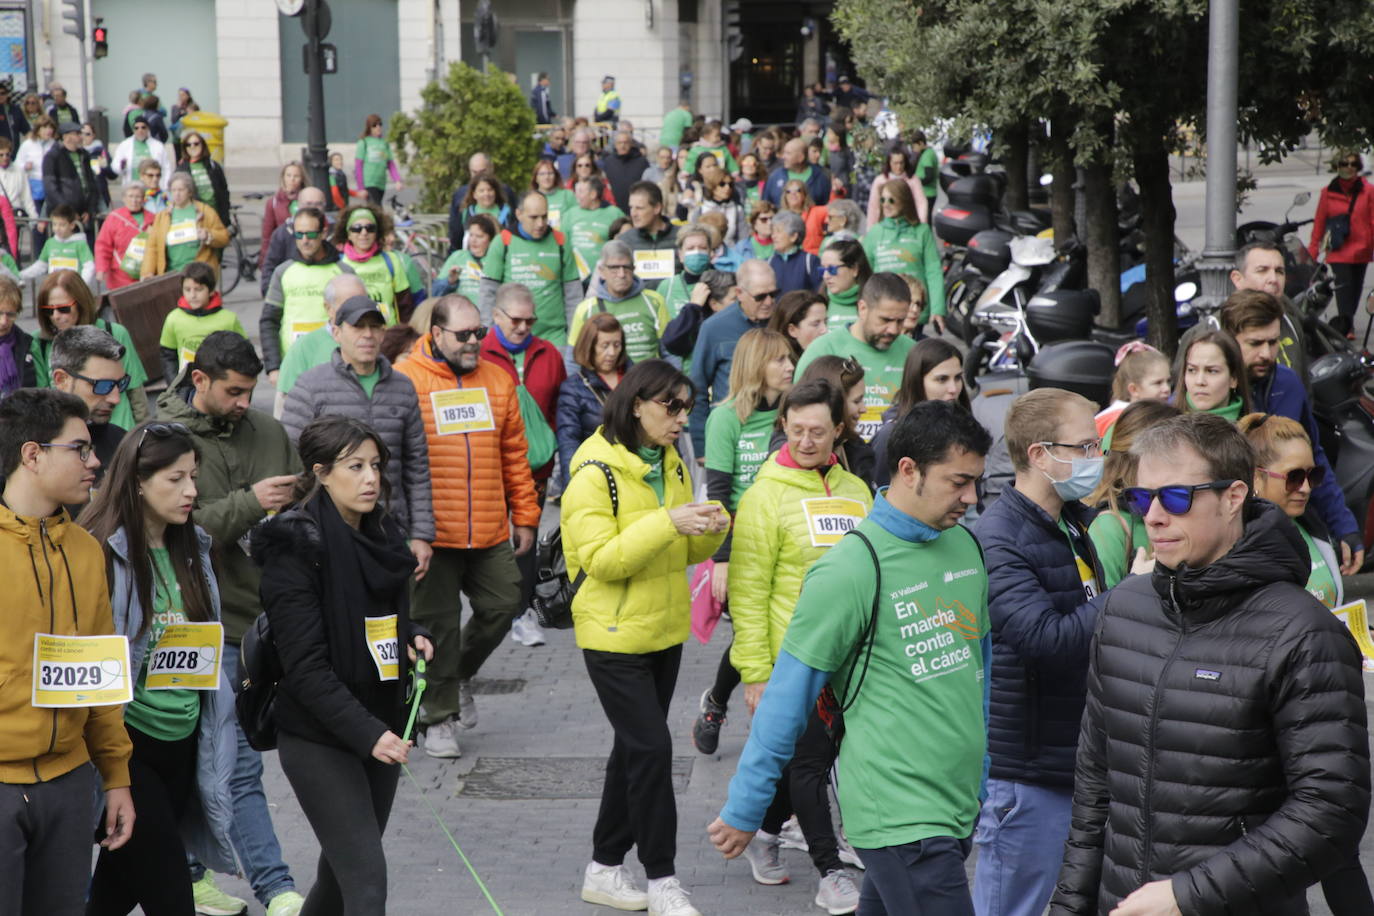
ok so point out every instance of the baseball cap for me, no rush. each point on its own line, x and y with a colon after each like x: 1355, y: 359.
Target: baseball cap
x: 608, y: 77
x: 69, y: 127
x: 355, y: 309
x: 742, y: 125
x: 845, y: 79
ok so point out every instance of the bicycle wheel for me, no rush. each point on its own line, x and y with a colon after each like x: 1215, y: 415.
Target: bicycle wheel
x: 231, y: 267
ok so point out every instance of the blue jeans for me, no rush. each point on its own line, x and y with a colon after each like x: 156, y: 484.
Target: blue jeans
x: 924, y: 878
x: 1020, y: 837
x: 255, y: 842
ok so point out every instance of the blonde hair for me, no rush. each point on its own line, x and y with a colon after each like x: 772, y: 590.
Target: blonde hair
x: 756, y: 349
x: 1035, y: 417
x: 1133, y: 369
x: 1267, y: 432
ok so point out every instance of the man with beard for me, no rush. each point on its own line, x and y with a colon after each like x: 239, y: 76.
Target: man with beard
x: 535, y: 256
x: 482, y: 488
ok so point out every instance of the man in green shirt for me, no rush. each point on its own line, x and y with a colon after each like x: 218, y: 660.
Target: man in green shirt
x: 927, y: 168
x: 315, y: 348
x: 876, y: 342
x: 588, y: 227
x: 898, y: 628
x: 536, y: 256
x: 674, y: 123
x: 641, y: 312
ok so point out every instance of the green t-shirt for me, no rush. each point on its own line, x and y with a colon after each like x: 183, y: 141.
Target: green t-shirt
x: 544, y: 266
x: 912, y: 757
x: 722, y: 154
x: 1322, y: 583
x: 842, y: 309
x: 183, y: 332
x: 140, y: 152
x: 78, y: 157
x: 928, y: 172
x: 369, y: 381
x: 384, y: 275
x: 761, y: 251
x: 1116, y: 548
x: 168, y: 715
x: 882, y: 371
x: 676, y: 292
x: 674, y: 123
x: 182, y: 253
x: 374, y: 153
x: 71, y: 253
x: 642, y: 316
x: 297, y: 288
x: 738, y: 449
x: 311, y: 350
x: 561, y: 202
x: 469, y: 273
x: 8, y: 263
x: 897, y: 246
x: 586, y: 231
x: 205, y: 189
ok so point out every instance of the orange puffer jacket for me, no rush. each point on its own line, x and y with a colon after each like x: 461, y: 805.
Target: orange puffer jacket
x: 479, y: 477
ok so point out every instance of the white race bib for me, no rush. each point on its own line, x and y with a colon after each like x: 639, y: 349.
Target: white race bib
x: 654, y: 264
x: 461, y: 410
x: 828, y: 518
x: 80, y: 671
x: 182, y: 232
x: 384, y: 646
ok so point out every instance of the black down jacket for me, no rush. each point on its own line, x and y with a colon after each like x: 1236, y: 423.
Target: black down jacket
x: 1224, y: 743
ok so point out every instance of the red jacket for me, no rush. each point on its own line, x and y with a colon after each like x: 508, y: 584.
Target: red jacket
x: 1359, y: 245
x: 276, y: 212
x: 544, y: 375
x: 112, y: 241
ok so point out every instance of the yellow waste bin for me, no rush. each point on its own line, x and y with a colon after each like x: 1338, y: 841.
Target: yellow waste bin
x: 210, y: 126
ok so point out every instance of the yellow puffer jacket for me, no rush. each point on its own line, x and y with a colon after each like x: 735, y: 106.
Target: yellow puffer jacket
x: 634, y: 599
x: 773, y: 549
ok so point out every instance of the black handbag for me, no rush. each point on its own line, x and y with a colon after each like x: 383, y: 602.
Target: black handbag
x: 1338, y: 226
x: 553, y: 591
x: 259, y: 672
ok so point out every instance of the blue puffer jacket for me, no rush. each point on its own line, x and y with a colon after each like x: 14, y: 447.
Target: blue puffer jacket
x: 1283, y: 394
x: 579, y: 412
x: 1042, y: 627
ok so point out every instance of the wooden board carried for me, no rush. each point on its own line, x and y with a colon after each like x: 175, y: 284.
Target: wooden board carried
x: 142, y: 308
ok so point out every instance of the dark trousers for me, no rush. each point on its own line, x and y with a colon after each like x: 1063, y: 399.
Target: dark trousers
x: 150, y: 870
x: 804, y: 791
x: 45, y: 844
x: 347, y: 801
x: 727, y: 678
x: 637, y: 803
x: 1347, y: 889
x: 1349, y: 284
x: 925, y: 878
x: 374, y: 195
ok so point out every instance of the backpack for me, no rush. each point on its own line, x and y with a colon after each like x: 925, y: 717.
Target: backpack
x: 259, y: 671
x: 553, y: 592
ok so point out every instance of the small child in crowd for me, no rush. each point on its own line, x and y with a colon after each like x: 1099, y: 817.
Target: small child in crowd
x: 1142, y: 374
x: 199, y: 313
x: 67, y: 249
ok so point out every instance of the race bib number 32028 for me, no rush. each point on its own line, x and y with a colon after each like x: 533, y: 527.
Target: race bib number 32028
x: 461, y: 410
x: 187, y: 657
x: 80, y: 671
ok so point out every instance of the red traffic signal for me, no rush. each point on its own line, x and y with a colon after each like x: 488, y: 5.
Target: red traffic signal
x: 99, y: 42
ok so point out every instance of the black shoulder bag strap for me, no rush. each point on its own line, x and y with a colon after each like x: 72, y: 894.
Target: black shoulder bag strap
x: 615, y: 506
x: 870, y: 631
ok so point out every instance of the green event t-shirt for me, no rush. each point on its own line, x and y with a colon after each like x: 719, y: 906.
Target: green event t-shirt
x: 311, y: 350
x: 1321, y: 584
x: 738, y: 449
x: 374, y: 153
x: 1115, y: 548
x: 912, y: 757
x: 642, y: 317
x: 722, y: 154
x: 898, y: 246
x: 71, y: 253
x: 674, y: 123
x: 761, y: 251
x: 586, y: 231
x: 929, y: 165
x: 469, y: 273
x: 78, y: 157
x: 183, y: 332
x: 140, y: 151
x: 8, y: 263
x: 369, y: 381
x: 205, y: 188
x: 676, y: 292
x: 544, y: 266
x: 882, y: 371
x: 168, y: 715
x: 842, y: 309
x: 1077, y: 539
x: 384, y: 275
x: 182, y: 253
x: 561, y: 202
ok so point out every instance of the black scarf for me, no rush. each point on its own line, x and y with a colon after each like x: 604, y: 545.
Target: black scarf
x: 365, y: 575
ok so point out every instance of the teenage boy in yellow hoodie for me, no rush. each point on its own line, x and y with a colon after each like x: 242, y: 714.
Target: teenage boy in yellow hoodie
x: 55, y: 579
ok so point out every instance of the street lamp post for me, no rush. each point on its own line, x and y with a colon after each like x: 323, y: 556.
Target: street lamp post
x: 1222, y: 75
x: 316, y: 23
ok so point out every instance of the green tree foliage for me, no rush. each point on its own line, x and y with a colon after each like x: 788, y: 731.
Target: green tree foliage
x: 467, y: 112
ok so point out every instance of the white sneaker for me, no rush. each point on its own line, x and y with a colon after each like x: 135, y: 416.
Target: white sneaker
x: 762, y: 854
x: 441, y: 742
x: 837, y: 893
x: 847, y: 854
x: 467, y: 707
x: 525, y: 630
x: 667, y: 898
x: 612, y: 886
x: 791, y: 835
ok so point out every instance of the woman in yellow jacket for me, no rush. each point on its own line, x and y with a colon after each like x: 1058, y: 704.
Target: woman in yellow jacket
x: 186, y: 231
x: 801, y: 502
x: 630, y: 525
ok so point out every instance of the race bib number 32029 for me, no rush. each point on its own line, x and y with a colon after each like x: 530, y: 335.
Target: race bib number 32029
x: 461, y: 410
x: 80, y: 671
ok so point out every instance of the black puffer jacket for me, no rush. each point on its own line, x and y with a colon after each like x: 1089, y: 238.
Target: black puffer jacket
x: 1224, y: 742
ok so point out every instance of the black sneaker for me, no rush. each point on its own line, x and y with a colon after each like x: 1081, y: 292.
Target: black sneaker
x: 706, y: 729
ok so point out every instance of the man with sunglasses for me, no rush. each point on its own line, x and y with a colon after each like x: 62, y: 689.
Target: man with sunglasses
x: 480, y: 474
x: 86, y: 362
x: 294, y: 305
x: 536, y: 256
x: 1042, y: 576
x: 1223, y: 762
x: 54, y: 574
x: 283, y: 239
x: 1255, y: 320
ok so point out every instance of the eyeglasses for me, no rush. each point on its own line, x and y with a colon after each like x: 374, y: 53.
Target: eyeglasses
x: 674, y: 406
x: 59, y: 309
x: 1350, y: 164
x: 363, y: 227
x: 518, y: 322
x: 464, y: 335
x: 1176, y: 499
x: 1089, y: 449
x: 887, y: 200
x: 767, y: 294
x: 619, y: 267
x: 103, y: 386
x: 306, y: 233
x: 83, y: 449
x: 162, y: 431
x: 1293, y: 480
x: 831, y: 270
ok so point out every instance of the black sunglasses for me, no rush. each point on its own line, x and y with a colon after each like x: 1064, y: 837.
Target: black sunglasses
x: 103, y: 386
x: 1176, y: 499
x: 1292, y: 481
x: 363, y: 227
x: 767, y: 294
x: 463, y: 336
x: 674, y: 406
x: 59, y: 309
x: 162, y: 431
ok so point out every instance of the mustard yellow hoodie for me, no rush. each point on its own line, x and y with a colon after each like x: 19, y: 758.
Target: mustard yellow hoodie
x: 54, y: 582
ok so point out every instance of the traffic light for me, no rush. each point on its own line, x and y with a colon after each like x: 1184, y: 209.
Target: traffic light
x: 100, y: 39
x: 74, y: 18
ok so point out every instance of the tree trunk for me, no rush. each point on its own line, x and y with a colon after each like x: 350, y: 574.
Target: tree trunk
x: 1017, y: 139
x: 1151, y: 161
x: 1061, y: 192
x: 1104, y: 262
